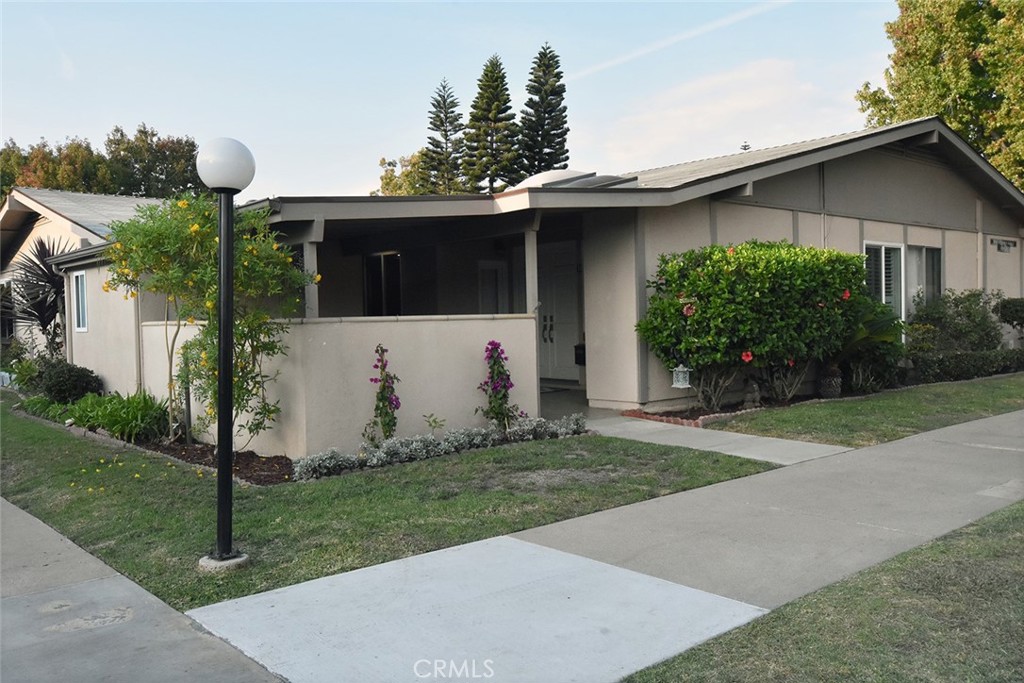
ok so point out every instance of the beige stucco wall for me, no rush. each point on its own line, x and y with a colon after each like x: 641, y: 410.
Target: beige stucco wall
x: 924, y: 237
x: 324, y: 390
x: 327, y: 398
x: 882, y: 232
x: 108, y: 345
x: 1003, y: 269
x: 960, y: 259
x: 611, y: 298
x: 737, y: 223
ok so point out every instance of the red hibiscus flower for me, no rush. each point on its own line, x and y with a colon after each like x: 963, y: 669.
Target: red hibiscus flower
x: 846, y: 294
x: 747, y: 356
x: 790, y: 362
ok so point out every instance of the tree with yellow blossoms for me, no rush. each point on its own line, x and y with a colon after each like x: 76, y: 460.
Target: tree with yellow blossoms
x: 170, y: 251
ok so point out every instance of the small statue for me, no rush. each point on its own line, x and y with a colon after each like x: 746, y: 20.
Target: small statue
x: 752, y: 399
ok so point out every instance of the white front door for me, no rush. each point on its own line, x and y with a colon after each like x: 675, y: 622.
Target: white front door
x: 559, y: 314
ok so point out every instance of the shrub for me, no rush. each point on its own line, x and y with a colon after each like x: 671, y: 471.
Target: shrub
x: 961, y: 365
x: 421, y: 447
x: 26, y: 375
x: 87, y: 412
x: 39, y: 406
x: 63, y: 382
x: 12, y: 353
x: 962, y: 321
x: 139, y: 417
x: 1011, y: 312
x: 771, y: 306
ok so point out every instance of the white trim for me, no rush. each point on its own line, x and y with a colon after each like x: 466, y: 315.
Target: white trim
x: 903, y: 270
x: 78, y: 296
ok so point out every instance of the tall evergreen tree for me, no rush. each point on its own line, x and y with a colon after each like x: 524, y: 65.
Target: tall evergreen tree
x: 491, y: 157
x: 442, y: 158
x: 543, y: 122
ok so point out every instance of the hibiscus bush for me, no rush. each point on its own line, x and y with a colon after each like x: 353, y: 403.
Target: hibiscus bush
x: 768, y: 306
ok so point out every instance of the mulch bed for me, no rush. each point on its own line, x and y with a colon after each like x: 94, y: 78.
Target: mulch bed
x: 698, y: 416
x: 248, y: 466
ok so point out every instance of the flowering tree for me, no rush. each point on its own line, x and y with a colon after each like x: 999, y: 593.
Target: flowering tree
x: 497, y: 387
x: 385, y: 408
x: 170, y: 250
x: 774, y: 307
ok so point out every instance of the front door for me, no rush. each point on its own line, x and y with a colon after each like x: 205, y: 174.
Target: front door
x: 559, y: 314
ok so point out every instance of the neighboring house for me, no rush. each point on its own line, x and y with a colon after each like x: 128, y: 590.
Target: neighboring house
x: 79, y: 221
x: 556, y: 267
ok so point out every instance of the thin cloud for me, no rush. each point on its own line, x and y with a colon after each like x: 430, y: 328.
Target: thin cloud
x: 678, y: 38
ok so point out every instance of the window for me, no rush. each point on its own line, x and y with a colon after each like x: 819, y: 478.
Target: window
x: 885, y: 274
x: 81, y: 313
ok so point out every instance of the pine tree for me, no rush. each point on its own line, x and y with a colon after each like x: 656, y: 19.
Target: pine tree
x: 491, y: 157
x: 442, y: 158
x: 543, y: 122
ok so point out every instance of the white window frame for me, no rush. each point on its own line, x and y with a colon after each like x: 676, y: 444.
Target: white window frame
x: 903, y: 270
x: 78, y: 298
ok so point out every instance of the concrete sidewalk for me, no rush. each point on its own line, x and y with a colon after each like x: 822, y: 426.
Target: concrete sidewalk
x: 595, y: 598
x: 66, y: 616
x: 589, y: 599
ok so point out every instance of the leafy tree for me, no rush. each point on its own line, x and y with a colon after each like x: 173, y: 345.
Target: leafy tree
x: 442, y: 158
x: 964, y: 61
x: 403, y: 177
x: 491, y: 135
x: 79, y: 168
x: 12, y: 158
x: 544, y: 125
x: 37, y: 291
x: 171, y: 250
x: 147, y: 165
x: 39, y: 168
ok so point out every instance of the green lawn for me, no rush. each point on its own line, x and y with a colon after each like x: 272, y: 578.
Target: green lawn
x: 152, y: 519
x: 887, y: 416
x: 952, y: 610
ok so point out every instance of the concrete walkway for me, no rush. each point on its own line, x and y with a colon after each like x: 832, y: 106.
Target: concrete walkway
x: 66, y: 616
x: 588, y: 599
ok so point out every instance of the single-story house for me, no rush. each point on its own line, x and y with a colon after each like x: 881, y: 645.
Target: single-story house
x: 74, y: 220
x: 556, y: 270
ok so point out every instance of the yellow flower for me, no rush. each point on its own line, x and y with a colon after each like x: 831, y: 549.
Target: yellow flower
x: 317, y: 278
x: 276, y: 246
x: 289, y: 259
x: 72, y: 483
x: 194, y: 228
x: 183, y: 204
x: 106, y: 285
x: 117, y: 245
x: 245, y: 263
x: 216, y: 240
x: 89, y: 489
x: 191, y: 321
x: 102, y: 460
x: 209, y: 305
x: 138, y: 476
x: 132, y: 294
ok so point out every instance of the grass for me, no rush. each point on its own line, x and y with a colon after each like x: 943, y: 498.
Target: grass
x: 887, y: 416
x: 151, y: 519
x: 952, y: 610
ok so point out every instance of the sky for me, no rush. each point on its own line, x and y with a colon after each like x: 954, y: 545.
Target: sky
x: 320, y: 92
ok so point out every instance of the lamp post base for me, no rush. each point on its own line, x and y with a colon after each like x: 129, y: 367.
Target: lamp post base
x: 209, y: 564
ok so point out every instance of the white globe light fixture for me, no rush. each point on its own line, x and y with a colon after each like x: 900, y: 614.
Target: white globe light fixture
x: 227, y: 167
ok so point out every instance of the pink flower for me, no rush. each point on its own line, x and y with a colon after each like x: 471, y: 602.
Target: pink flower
x: 747, y: 356
x: 689, y: 310
x: 846, y: 294
x: 790, y: 362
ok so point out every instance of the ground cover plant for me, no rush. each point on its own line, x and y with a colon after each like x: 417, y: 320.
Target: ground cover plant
x: 952, y: 610
x: 151, y: 518
x: 868, y: 420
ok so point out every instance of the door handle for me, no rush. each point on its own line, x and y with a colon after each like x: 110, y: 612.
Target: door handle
x: 551, y: 330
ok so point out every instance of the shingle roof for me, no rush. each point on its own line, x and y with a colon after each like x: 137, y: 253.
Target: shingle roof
x: 94, y: 212
x: 694, y: 171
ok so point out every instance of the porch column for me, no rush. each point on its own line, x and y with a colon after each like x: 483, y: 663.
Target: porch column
x: 309, y: 250
x: 530, y: 245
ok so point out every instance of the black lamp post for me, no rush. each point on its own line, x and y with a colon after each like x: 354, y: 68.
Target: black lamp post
x: 227, y: 167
